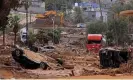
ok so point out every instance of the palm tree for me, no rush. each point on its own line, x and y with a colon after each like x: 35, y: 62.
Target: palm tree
x: 14, y: 23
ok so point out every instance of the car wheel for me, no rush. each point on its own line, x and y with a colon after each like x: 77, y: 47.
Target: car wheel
x: 43, y: 65
x: 18, y: 54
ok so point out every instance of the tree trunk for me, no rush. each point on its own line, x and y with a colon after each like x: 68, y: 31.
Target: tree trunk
x: 15, y: 36
x: 27, y: 25
x: 4, y: 37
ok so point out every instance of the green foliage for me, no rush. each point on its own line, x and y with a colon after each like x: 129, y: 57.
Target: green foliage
x: 14, y: 22
x: 118, y: 27
x: 5, y: 7
x: 32, y: 38
x: 117, y: 31
x: 118, y: 7
x: 43, y: 36
x: 55, y: 35
x: 59, y: 4
x: 78, y: 16
x: 97, y: 27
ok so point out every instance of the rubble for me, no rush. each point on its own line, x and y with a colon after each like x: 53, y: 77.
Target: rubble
x: 127, y: 67
x: 78, y: 71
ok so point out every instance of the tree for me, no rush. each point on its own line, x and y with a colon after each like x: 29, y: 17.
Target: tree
x: 32, y: 39
x: 5, y: 7
x: 120, y: 6
x: 14, y: 23
x: 117, y: 31
x: 78, y: 16
x: 42, y: 36
x: 97, y: 27
x: 55, y: 35
x: 57, y: 4
x: 118, y: 27
x: 3, y: 28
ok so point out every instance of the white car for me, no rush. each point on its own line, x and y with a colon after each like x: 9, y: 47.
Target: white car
x: 47, y: 49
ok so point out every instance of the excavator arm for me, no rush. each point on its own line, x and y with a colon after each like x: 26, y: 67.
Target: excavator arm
x: 46, y: 14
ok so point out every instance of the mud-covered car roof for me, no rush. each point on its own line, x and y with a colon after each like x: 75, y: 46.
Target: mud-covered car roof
x: 36, y: 57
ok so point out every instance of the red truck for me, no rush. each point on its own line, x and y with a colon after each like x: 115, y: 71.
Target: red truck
x: 94, y: 42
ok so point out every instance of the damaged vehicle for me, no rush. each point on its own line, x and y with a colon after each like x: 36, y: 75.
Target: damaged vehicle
x: 110, y: 57
x: 29, y: 59
x: 47, y: 49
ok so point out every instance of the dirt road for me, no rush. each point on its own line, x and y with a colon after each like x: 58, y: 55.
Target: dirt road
x: 104, y: 77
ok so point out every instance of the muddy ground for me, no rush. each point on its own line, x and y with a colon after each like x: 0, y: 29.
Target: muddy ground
x: 76, y: 66
x: 77, y: 63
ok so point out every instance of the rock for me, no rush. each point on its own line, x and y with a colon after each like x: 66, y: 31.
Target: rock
x: 68, y: 66
x: 89, y: 65
x: 78, y: 71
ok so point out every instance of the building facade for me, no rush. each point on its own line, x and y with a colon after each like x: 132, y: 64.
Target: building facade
x: 37, y: 6
x: 91, y: 10
x: 95, y: 15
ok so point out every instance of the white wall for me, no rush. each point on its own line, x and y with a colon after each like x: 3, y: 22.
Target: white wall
x: 98, y: 14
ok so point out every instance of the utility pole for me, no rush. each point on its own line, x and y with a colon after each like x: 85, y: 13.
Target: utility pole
x: 26, y: 8
x: 30, y: 16
x: 53, y: 19
x: 101, y: 17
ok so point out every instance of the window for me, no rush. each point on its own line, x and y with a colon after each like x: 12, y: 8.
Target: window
x: 24, y: 36
x: 94, y: 42
x: 85, y: 9
x: 93, y: 16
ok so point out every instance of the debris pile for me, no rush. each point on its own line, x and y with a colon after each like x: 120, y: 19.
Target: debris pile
x: 127, y: 67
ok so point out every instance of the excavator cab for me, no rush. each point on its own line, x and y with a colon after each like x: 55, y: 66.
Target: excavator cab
x: 50, y: 14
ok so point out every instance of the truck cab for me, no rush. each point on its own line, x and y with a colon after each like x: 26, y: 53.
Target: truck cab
x: 23, y: 35
x: 94, y: 42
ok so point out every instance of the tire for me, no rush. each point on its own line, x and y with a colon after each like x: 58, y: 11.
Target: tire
x: 18, y: 53
x: 43, y: 65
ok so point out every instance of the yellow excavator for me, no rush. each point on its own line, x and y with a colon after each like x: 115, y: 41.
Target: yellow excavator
x: 50, y: 14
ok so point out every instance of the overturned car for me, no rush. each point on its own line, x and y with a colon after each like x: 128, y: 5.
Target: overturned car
x: 29, y: 59
x: 110, y: 57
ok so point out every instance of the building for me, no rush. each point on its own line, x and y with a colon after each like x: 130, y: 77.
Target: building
x: 106, y: 4
x: 95, y: 15
x: 89, y: 6
x: 91, y: 11
x: 37, y: 6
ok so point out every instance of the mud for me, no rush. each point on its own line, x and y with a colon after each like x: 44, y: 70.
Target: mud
x: 77, y: 63
x: 121, y: 76
x: 73, y: 65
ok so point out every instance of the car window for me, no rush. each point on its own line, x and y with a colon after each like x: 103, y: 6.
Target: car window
x: 49, y: 47
x: 24, y: 36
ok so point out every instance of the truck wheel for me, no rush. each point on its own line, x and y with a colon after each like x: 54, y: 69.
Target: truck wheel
x: 43, y: 65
